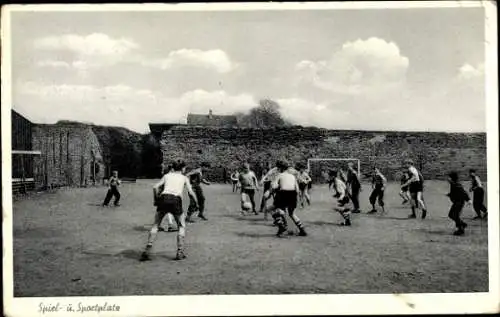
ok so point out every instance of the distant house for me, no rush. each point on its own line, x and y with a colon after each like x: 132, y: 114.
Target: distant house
x: 212, y: 120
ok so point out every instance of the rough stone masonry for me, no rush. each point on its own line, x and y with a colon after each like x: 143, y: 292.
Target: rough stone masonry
x: 435, y: 153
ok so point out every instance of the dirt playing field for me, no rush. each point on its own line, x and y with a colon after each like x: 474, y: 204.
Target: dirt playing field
x: 65, y: 244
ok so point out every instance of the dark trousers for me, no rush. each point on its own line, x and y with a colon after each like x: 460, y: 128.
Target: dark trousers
x: 198, y: 191
x: 454, y: 214
x: 377, y: 193
x: 251, y: 196
x: 478, y: 201
x: 113, y: 191
x: 355, y: 197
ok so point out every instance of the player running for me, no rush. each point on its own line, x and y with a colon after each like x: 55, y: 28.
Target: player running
x: 169, y: 200
x: 416, y: 187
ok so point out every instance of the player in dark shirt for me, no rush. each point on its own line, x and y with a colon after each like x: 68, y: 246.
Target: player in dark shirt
x: 196, y: 179
x: 458, y: 197
x: 114, y: 182
x: 354, y: 186
x: 379, y: 182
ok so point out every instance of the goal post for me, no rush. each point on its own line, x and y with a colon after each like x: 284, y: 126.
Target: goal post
x: 317, y: 166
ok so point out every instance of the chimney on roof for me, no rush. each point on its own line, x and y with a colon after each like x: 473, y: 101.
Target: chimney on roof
x: 210, y: 114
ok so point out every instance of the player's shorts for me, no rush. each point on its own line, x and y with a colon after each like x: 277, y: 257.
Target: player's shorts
x: 249, y: 191
x: 309, y: 185
x: 405, y: 189
x: 302, y: 186
x: 267, y: 186
x: 286, y: 200
x: 169, y: 203
x: 416, y: 187
x: 344, y: 200
x: 235, y: 181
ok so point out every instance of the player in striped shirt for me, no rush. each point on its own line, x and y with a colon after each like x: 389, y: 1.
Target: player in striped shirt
x: 478, y: 195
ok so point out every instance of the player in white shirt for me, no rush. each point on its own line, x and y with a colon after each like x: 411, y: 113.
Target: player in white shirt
x: 169, y: 200
x: 287, y: 189
x: 169, y: 217
x: 416, y: 187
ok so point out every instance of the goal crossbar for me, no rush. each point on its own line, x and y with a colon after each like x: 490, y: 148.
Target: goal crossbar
x: 334, y: 159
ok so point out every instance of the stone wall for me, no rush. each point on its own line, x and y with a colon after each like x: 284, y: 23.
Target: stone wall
x: 68, y: 152
x: 434, y: 153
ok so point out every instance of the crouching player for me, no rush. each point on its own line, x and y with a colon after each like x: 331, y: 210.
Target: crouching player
x: 169, y: 200
x: 286, y: 191
x: 342, y: 199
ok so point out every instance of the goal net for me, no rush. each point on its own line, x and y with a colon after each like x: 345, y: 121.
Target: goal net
x: 319, y: 167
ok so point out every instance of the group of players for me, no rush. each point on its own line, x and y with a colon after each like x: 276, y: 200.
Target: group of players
x: 290, y: 186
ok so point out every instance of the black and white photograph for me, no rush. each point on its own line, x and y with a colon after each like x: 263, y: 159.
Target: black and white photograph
x: 304, y: 158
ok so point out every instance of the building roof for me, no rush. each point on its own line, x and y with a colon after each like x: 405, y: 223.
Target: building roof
x: 211, y: 120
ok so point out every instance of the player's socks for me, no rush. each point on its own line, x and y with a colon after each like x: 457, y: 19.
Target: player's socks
x: 424, y: 213
x: 145, y: 255
x: 201, y: 216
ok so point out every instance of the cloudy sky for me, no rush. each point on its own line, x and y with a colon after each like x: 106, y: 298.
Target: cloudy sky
x: 398, y: 69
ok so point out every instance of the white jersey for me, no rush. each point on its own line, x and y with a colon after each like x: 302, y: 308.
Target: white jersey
x: 174, y: 183
x: 271, y: 175
x: 414, y: 175
x: 286, y: 181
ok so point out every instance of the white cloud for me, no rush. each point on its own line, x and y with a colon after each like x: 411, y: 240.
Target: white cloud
x: 359, y: 67
x: 467, y: 72
x: 96, y: 44
x: 121, y: 105
x: 216, y: 60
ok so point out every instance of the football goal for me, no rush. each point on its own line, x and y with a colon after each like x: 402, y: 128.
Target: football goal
x: 319, y: 167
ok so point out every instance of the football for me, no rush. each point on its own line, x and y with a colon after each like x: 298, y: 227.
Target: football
x: 246, y: 205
